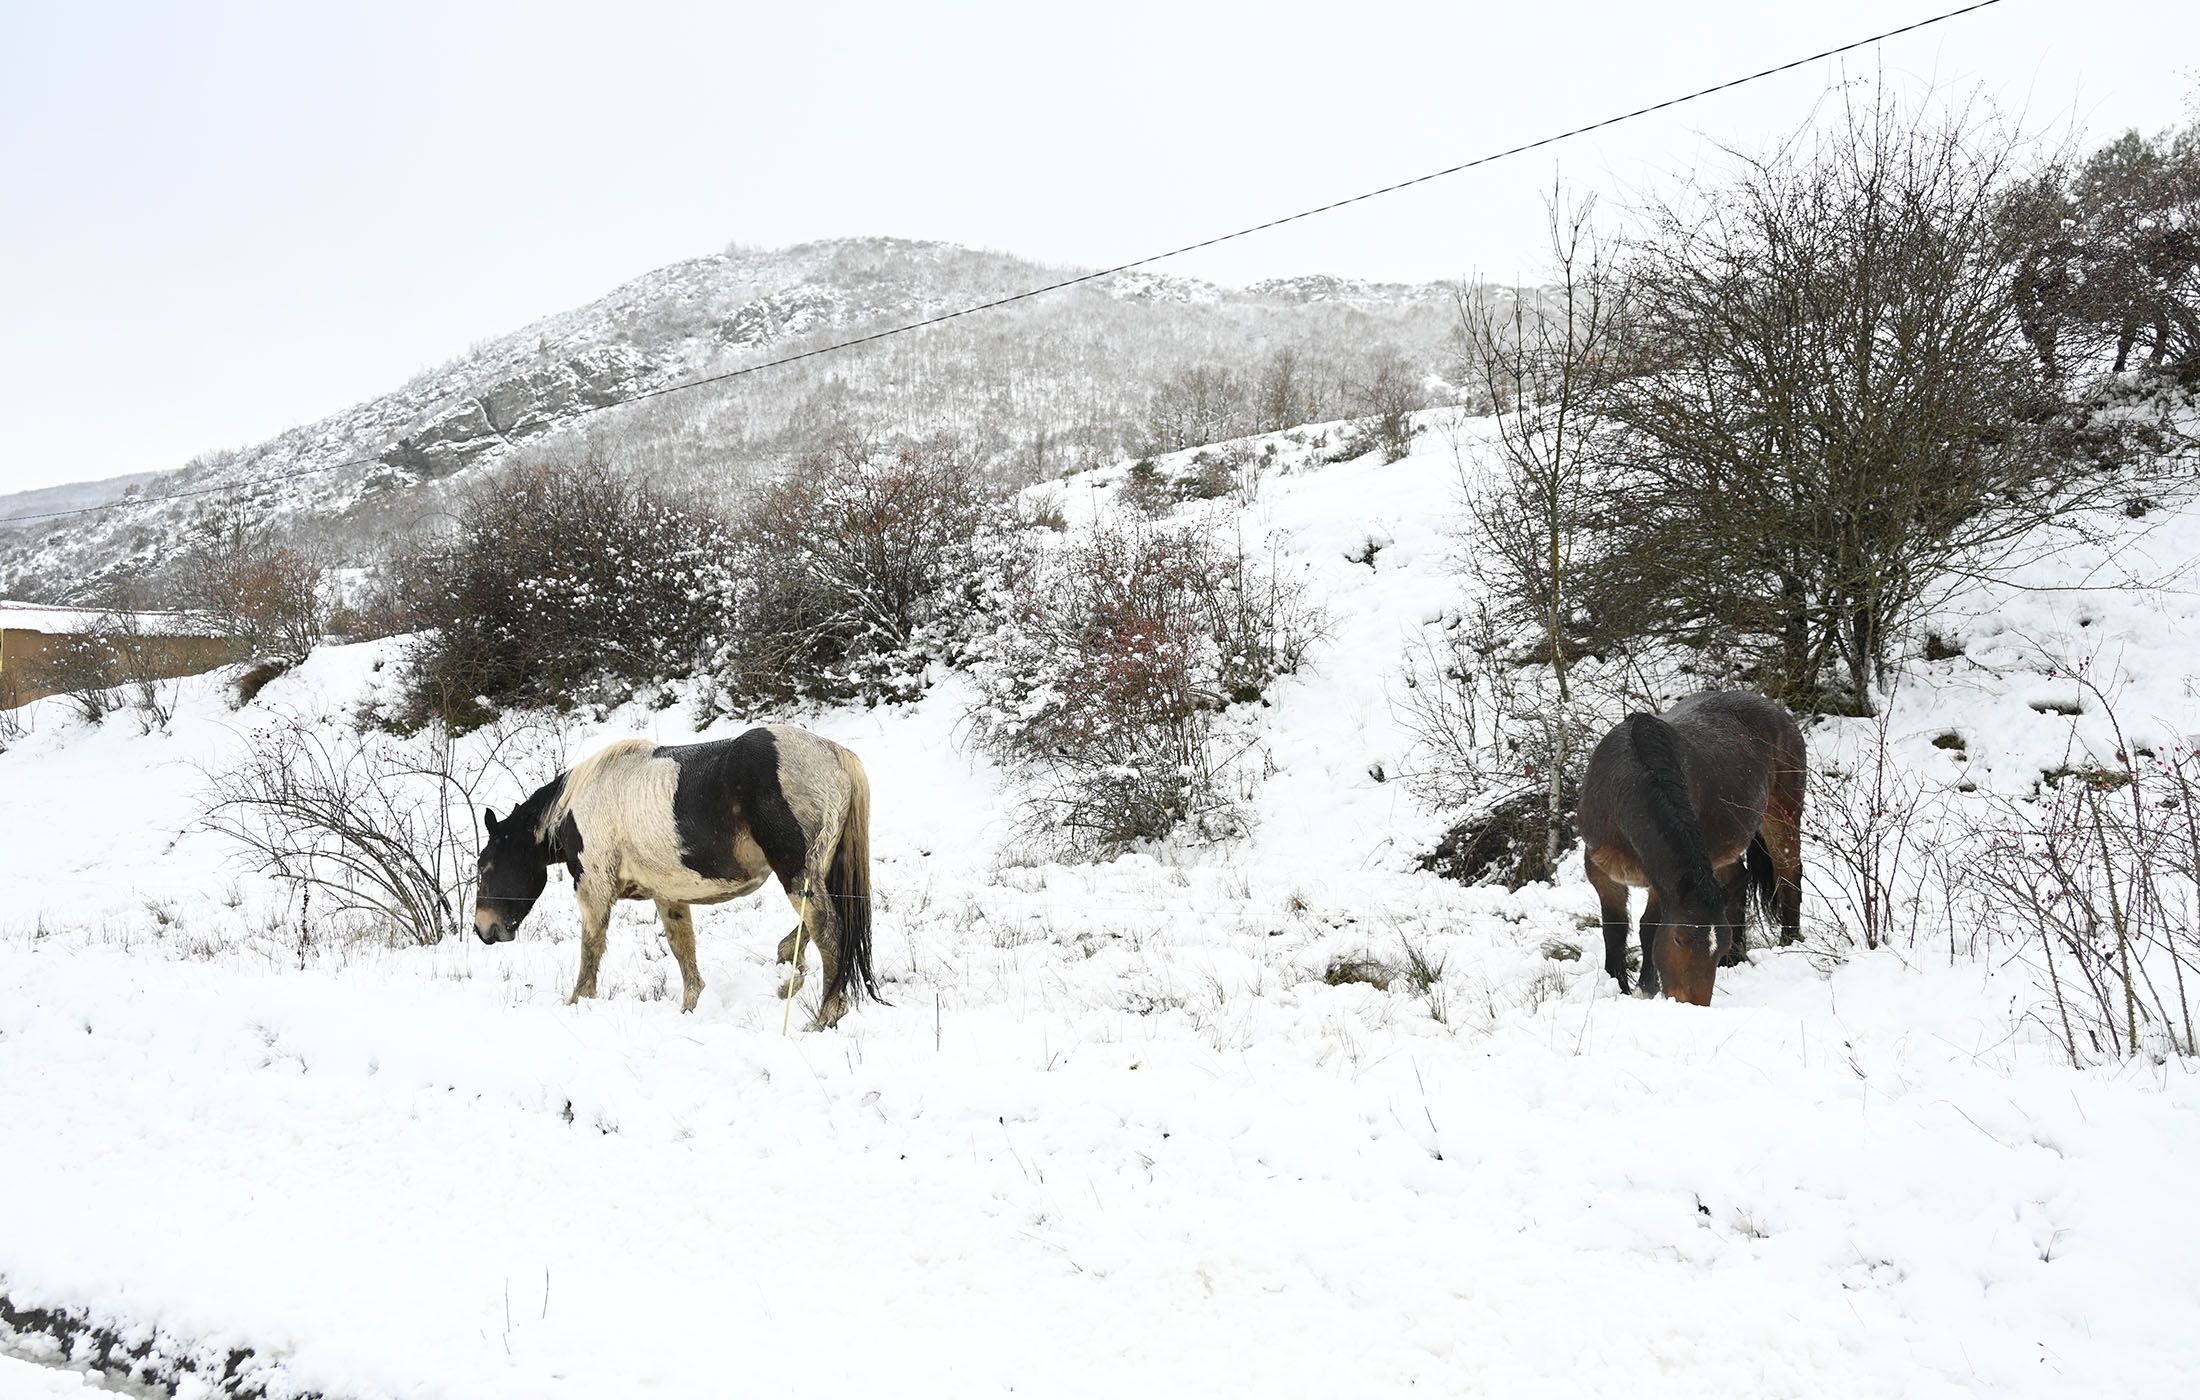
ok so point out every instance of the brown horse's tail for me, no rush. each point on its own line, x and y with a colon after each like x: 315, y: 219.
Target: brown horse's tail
x: 1764, y: 881
x: 848, y: 889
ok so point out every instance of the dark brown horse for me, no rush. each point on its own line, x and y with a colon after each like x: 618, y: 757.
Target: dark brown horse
x: 1702, y: 806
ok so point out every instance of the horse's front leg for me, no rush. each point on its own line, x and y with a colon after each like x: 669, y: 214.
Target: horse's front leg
x: 1612, y: 906
x: 595, y: 931
x: 679, y: 922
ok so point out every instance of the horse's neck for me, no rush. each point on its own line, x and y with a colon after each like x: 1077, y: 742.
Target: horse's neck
x: 537, y: 810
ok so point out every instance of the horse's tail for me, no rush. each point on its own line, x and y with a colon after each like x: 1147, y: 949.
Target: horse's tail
x: 1764, y: 881
x: 848, y: 888
x: 1657, y: 748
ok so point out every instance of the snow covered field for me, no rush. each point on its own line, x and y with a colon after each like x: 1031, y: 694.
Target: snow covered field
x: 1116, y: 1135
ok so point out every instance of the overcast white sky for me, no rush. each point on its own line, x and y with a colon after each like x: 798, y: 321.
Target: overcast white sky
x: 218, y: 220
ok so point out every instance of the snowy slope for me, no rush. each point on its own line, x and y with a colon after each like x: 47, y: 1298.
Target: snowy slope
x: 1115, y: 1134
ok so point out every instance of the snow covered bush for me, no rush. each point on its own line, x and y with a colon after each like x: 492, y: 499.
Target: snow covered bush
x: 562, y: 583
x: 1108, y: 688
x: 858, y: 570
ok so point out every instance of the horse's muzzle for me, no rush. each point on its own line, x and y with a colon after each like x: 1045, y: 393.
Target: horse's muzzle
x: 491, y: 929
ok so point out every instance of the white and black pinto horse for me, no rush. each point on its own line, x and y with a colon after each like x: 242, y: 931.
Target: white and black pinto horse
x: 699, y: 824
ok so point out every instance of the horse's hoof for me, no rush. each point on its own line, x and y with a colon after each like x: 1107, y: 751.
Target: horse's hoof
x: 789, y: 987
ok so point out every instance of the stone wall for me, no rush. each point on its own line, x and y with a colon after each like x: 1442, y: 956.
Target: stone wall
x: 34, y: 665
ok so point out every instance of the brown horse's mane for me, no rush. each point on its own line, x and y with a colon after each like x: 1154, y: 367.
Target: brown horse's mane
x: 1658, y: 751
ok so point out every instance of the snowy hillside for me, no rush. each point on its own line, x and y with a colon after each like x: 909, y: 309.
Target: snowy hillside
x: 1034, y: 389
x: 82, y: 495
x: 1122, y: 1129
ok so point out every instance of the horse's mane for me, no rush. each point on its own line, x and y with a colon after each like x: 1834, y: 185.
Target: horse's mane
x: 583, y: 775
x: 1657, y: 748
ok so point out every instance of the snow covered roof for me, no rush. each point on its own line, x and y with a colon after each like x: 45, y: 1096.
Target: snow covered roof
x: 40, y: 617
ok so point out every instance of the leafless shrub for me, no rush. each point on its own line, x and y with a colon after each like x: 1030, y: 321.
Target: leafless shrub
x: 2102, y: 875
x: 1886, y: 848
x: 1490, y: 734
x: 370, y: 826
x: 83, y: 668
x: 264, y: 594
x: 111, y: 667
x: 154, y: 704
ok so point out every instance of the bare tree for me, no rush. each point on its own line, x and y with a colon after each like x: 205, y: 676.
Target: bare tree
x: 1532, y: 495
x: 264, y: 594
x: 2110, y: 258
x: 1832, y: 409
x: 1291, y: 390
x: 1385, y: 395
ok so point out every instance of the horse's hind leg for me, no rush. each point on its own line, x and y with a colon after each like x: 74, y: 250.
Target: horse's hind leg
x: 1612, y: 906
x: 802, y: 938
x: 679, y: 922
x: 1734, y: 884
x: 824, y: 926
x: 1783, y: 835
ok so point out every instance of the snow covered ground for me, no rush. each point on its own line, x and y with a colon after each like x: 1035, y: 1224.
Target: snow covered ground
x: 1116, y: 1134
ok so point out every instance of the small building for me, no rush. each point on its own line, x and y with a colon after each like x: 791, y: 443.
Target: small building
x: 51, y: 651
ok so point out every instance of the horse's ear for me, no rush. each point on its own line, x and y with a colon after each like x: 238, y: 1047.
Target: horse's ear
x: 489, y: 820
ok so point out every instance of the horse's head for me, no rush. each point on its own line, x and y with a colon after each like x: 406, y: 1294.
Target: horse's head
x: 513, y: 869
x: 1693, y: 924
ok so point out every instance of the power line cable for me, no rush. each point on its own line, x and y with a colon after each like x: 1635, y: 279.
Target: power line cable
x: 683, y: 386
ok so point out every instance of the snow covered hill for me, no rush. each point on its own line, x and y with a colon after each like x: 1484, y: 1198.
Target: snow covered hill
x: 1037, y: 388
x: 1121, y: 1130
